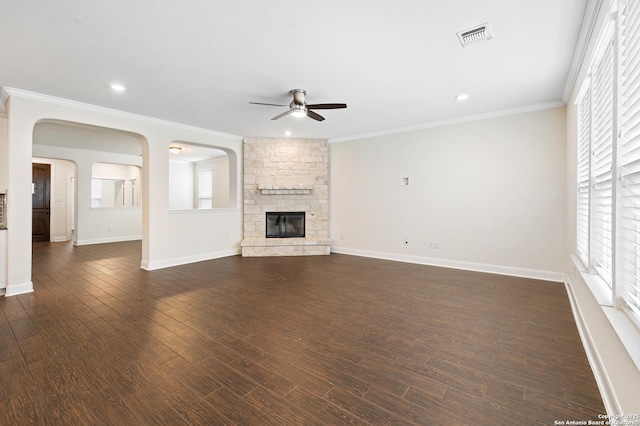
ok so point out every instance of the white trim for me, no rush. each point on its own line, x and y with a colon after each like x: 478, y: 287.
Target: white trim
x: 628, y: 334
x: 456, y: 264
x: 586, y: 31
x: 16, y: 289
x: 457, y: 120
x: 599, y: 289
x: 60, y: 239
x: 609, y: 400
x: 116, y: 208
x: 204, y: 211
x: 10, y: 91
x: 160, y: 264
x: 107, y: 240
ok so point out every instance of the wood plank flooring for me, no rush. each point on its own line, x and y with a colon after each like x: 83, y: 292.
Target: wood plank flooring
x: 323, y: 340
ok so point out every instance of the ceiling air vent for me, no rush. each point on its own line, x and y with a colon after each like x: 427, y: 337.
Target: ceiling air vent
x: 475, y: 34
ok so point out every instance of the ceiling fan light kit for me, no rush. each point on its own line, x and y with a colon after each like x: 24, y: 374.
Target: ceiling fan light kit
x: 299, y: 107
x: 298, y: 111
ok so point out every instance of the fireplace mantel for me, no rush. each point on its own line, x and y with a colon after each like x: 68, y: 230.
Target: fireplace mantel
x: 286, y: 190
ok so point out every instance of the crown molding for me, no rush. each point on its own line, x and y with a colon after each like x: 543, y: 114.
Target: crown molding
x: 3, y: 100
x: 7, y: 92
x: 457, y: 120
x: 586, y: 31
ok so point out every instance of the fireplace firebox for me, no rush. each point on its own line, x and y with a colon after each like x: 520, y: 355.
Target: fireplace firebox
x: 285, y: 224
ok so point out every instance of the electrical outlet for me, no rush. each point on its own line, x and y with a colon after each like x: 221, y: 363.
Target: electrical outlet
x: 433, y: 245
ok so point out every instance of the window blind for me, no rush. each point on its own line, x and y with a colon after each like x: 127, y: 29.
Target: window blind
x: 629, y: 159
x: 205, y: 189
x: 602, y: 161
x: 582, y: 205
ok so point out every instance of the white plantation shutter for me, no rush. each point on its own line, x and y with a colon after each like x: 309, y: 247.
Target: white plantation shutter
x: 205, y: 189
x: 602, y: 162
x: 627, y: 284
x: 584, y: 139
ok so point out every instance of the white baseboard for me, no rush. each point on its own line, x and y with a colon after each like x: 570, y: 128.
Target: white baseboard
x: 107, y: 240
x: 160, y: 264
x: 16, y: 289
x: 455, y: 264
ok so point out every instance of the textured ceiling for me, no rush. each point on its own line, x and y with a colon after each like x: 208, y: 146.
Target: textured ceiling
x: 397, y: 64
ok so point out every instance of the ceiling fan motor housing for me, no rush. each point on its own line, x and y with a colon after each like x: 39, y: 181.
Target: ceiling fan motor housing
x: 298, y: 96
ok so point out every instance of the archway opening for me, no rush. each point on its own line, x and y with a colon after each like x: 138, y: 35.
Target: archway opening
x: 87, y: 147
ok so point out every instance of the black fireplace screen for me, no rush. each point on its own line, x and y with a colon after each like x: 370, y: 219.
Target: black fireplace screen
x: 285, y: 224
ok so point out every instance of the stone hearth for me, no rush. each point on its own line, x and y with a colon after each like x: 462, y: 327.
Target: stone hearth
x: 286, y: 175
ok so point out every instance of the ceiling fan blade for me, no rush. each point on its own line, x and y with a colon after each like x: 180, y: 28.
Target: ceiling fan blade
x: 326, y: 106
x: 314, y: 115
x: 261, y: 103
x: 283, y: 114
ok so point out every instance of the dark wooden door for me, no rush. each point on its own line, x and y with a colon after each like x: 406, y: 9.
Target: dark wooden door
x: 40, y: 199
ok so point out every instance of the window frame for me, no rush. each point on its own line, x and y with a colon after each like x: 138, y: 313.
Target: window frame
x: 609, y: 234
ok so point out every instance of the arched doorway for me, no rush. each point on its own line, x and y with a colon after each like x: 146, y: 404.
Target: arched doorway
x: 91, y: 148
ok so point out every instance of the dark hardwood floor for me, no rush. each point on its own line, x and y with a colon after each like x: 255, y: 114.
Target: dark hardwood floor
x: 292, y: 340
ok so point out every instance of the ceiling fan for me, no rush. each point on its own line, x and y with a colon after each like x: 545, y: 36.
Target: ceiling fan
x: 299, y: 107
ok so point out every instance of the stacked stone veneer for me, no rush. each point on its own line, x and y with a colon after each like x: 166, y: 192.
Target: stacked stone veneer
x: 286, y: 175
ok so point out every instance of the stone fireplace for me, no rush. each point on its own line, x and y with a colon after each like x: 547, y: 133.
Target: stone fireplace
x: 285, y: 180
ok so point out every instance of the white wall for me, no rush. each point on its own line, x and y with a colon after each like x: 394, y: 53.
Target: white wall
x: 3, y: 186
x: 64, y: 201
x: 490, y: 192
x: 181, y: 185
x: 3, y: 153
x: 220, y: 169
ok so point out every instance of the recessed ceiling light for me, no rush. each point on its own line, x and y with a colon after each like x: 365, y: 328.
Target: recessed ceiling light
x: 462, y: 97
x: 118, y: 87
